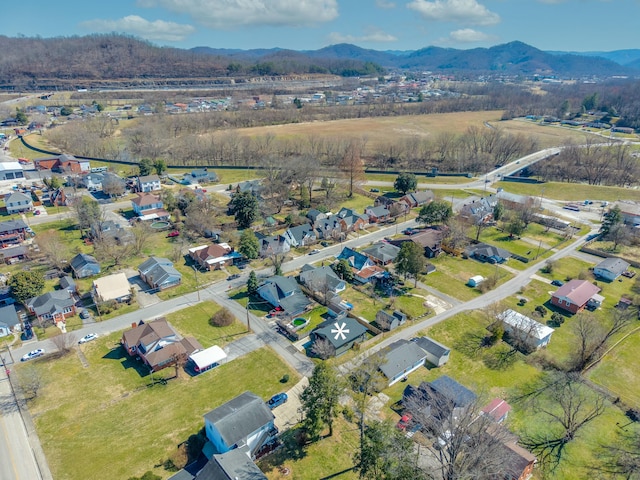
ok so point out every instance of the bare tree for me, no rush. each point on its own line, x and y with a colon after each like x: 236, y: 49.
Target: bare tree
x: 563, y: 405
x: 620, y: 458
x: 110, y: 249
x: 30, y: 380
x: 55, y: 249
x: 141, y: 233
x: 592, y: 336
x: 64, y: 342
x: 322, y: 348
x: 352, y: 165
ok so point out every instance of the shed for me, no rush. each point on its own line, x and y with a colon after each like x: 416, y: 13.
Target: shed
x: 475, y: 280
x: 437, y: 353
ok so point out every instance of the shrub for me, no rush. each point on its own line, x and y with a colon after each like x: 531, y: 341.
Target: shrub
x: 195, y: 443
x: 222, y: 318
x: 548, y: 266
x: 347, y: 411
x: 488, y: 284
x: 285, y: 378
x: 522, y: 302
x: 541, y: 310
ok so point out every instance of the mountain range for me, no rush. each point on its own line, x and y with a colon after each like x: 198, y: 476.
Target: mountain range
x: 510, y: 58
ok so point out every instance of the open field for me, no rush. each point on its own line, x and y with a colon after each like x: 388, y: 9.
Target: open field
x: 124, y: 425
x: 382, y: 130
x: 571, y: 192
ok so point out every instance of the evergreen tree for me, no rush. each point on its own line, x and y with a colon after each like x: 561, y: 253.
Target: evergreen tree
x: 245, y: 208
x: 145, y: 166
x: 26, y: 285
x: 612, y: 218
x: 436, y: 212
x: 252, y: 283
x: 410, y: 260
x: 249, y: 244
x: 343, y: 270
x: 320, y: 399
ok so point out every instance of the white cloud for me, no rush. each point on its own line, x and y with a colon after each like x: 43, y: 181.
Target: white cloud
x: 458, y: 11
x: 135, y: 25
x: 385, y: 4
x: 227, y: 14
x: 468, y: 35
x: 372, y: 35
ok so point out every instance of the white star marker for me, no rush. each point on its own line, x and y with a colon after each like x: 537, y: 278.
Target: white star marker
x: 340, y: 330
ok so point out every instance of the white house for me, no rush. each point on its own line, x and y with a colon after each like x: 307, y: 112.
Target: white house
x: 532, y: 333
x: 18, y: 202
x: 149, y: 183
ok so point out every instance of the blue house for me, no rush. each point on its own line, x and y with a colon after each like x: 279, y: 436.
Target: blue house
x: 159, y: 273
x: 84, y: 265
x: 200, y: 175
x: 244, y: 422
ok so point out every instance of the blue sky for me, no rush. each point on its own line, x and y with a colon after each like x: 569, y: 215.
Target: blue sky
x: 568, y: 25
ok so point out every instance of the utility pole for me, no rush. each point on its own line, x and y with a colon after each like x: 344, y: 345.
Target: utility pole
x: 248, y: 319
x: 195, y: 274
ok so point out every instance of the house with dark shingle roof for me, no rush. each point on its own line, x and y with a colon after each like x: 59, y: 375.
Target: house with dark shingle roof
x: 401, y: 358
x: 14, y: 254
x: 233, y: 465
x: 9, y: 320
x: 12, y: 232
x: 285, y: 293
x: 244, y: 423
x: 339, y: 336
x: 443, y: 398
x: 610, y: 268
x: 57, y: 306
x: 300, y: 235
x: 437, y: 353
x: 158, y: 344
x: 200, y: 175
x: 158, y: 272
x: 382, y: 253
x: 84, y: 265
x: 488, y: 253
x: 390, y: 321
x: 573, y: 296
x: 321, y: 279
x: 213, y: 256
x: 377, y: 214
x: 273, y: 245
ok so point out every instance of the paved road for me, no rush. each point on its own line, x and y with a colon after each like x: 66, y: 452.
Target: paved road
x: 17, y: 459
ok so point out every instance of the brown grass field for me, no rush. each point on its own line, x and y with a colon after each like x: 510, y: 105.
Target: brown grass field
x: 383, y: 130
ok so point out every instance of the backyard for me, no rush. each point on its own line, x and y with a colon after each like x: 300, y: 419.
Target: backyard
x: 75, y: 422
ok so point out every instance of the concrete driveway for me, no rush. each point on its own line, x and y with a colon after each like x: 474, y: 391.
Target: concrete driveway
x: 290, y: 413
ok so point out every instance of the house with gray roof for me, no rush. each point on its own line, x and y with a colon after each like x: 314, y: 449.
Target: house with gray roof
x: 479, y: 211
x: 9, y: 320
x: 417, y: 199
x: 338, y: 336
x: 244, y: 423
x: 350, y: 220
x: 488, y: 253
x: 18, y: 202
x: 235, y: 464
x: 84, y: 265
x: 437, y: 353
x: 300, y: 235
x: 314, y: 215
x: 200, y: 175
x: 321, y: 279
x: 159, y: 273
x: 67, y: 283
x: 377, y: 214
x: 382, y: 253
x: 57, y: 306
x: 14, y: 254
x: 441, y: 400
x: 13, y: 232
x: 610, y: 268
x: 285, y: 293
x: 149, y: 183
x: 390, y: 321
x: 328, y: 227
x: 273, y: 245
x: 401, y: 358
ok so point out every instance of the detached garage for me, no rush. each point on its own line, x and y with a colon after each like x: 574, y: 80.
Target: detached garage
x: 10, y: 171
x: 204, y: 360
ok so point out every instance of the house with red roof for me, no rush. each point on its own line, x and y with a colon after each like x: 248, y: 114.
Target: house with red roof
x: 574, y: 296
x: 497, y: 409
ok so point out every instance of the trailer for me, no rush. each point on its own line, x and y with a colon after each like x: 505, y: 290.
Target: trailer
x: 203, y: 360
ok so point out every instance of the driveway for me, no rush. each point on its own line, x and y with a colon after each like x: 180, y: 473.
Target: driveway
x: 290, y: 413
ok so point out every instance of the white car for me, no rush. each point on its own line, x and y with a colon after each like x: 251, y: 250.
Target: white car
x: 314, y: 251
x: 88, y: 338
x: 32, y: 354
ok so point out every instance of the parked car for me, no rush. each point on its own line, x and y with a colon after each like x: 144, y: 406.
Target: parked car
x: 404, y: 421
x: 314, y: 251
x: 32, y: 354
x: 375, y: 190
x: 277, y: 400
x: 557, y: 283
x: 233, y: 277
x: 175, y: 233
x: 36, y: 212
x: 84, y: 314
x: 324, y: 243
x: 88, y: 338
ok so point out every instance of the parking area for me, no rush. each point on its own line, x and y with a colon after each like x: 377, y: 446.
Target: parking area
x: 290, y: 413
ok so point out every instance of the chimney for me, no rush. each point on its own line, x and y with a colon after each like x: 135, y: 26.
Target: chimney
x: 134, y: 324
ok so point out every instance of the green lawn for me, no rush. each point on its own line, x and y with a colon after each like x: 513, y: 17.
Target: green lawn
x: 625, y: 251
x: 566, y: 268
x: 195, y: 321
x: 387, y: 177
x: 570, y: 192
x: 453, y: 273
x: 120, y: 424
